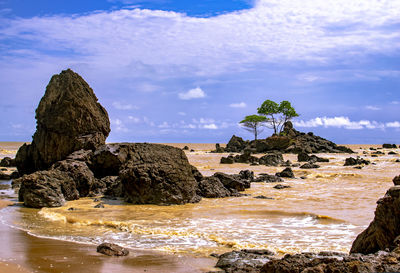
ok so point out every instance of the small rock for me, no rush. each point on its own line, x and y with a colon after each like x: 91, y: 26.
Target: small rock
x: 286, y: 173
x: 280, y: 186
x: 185, y: 148
x: 392, y: 153
x: 263, y: 197
x: 112, y: 250
x: 72, y: 209
x: 309, y: 166
x: 99, y: 206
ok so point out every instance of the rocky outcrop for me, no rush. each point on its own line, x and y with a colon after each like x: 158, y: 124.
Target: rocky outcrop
x: 112, y: 250
x: 246, y: 157
x: 273, y: 143
x: 245, y: 260
x: 329, y: 262
x: 236, y: 145
x: 69, y: 118
x: 384, y: 229
x: 350, y: 161
x: 158, y: 174
x: 389, y: 146
x: 7, y: 162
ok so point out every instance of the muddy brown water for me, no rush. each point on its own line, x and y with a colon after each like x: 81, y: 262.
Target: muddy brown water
x: 324, y: 211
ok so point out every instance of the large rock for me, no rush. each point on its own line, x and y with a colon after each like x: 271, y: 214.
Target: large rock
x: 158, y: 174
x: 232, y: 182
x: 46, y: 189
x: 383, y: 230
x: 350, y: 161
x: 275, y: 159
x: 389, y: 146
x: 69, y: 118
x: 236, y: 145
x: 287, y: 172
x: 273, y: 143
x: 108, y: 159
x: 211, y: 187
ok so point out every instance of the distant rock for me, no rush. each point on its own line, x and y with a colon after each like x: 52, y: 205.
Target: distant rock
x: 246, y: 157
x: 236, y: 145
x: 7, y: 162
x: 263, y: 197
x: 309, y: 166
x: 287, y: 172
x: 384, y: 229
x: 112, y: 250
x: 69, y: 118
x: 389, y: 146
x: 392, y: 153
x: 263, y: 177
x: 350, y: 161
x: 186, y: 148
x: 4, y: 176
x: 280, y: 187
x: 158, y: 174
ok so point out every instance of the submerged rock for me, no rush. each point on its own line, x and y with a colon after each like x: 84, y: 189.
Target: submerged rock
x: 112, y: 250
x: 287, y: 172
x: 69, y: 118
x: 350, y: 161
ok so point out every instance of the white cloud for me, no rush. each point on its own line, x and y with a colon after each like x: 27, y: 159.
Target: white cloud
x: 211, y: 126
x: 340, y: 122
x: 196, y: 93
x: 134, y: 119
x: 238, y: 105
x: 373, y: 108
x: 394, y: 124
x: 164, y: 125
x: 121, y: 106
x: 118, y: 125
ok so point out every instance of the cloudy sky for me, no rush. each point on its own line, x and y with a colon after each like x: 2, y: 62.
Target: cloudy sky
x: 189, y: 71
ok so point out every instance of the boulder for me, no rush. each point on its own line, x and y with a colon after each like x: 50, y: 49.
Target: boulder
x: 46, y: 189
x: 350, y: 161
x: 389, y: 146
x: 231, y: 182
x: 227, y: 160
x: 211, y: 187
x: 303, y: 157
x: 112, y: 250
x: 245, y: 260
x: 247, y: 175
x: 384, y: 228
x: 108, y: 159
x: 7, y: 162
x: 235, y: 145
x: 263, y: 177
x: 69, y: 118
x: 275, y: 159
x: 309, y: 166
x: 287, y: 172
x: 158, y: 174
x: 218, y: 149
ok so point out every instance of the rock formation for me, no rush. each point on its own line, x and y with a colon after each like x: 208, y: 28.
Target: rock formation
x: 69, y: 118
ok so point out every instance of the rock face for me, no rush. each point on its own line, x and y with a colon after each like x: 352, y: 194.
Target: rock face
x: 158, y: 174
x: 69, y: 118
x: 112, y: 250
x: 383, y: 230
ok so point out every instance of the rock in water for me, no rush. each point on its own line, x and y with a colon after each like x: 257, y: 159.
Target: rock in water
x: 383, y: 230
x: 69, y: 118
x: 112, y: 250
x: 158, y: 174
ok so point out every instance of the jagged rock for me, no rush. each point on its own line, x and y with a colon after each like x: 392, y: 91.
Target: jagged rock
x: 246, y: 157
x: 263, y: 177
x: 280, y: 186
x: 350, y: 161
x: 81, y: 155
x: 303, y: 157
x: 69, y: 118
x: 80, y: 174
x: 235, y: 145
x: 287, y: 172
x: 158, y: 174
x: 112, y: 186
x: 396, y: 180
x: 46, y: 189
x: 273, y: 143
x: 385, y: 227
x: 333, y: 262
x: 108, y: 159
x: 247, y: 175
x: 211, y: 187
x: 231, y: 182
x: 112, y: 250
x: 389, y: 146
x: 245, y: 260
x: 227, y: 160
x: 275, y: 159
x: 7, y: 162
x: 309, y: 166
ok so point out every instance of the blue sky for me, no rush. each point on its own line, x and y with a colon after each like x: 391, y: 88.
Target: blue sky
x: 189, y: 71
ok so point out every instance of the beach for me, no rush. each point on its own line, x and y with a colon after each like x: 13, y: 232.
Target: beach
x: 324, y: 210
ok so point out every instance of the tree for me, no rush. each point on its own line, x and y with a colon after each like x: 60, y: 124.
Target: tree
x: 271, y: 109
x: 277, y: 114
x: 253, y: 124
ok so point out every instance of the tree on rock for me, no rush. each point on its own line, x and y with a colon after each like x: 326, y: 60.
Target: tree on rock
x: 277, y: 114
x: 253, y: 124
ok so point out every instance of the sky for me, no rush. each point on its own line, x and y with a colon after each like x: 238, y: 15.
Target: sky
x: 190, y: 71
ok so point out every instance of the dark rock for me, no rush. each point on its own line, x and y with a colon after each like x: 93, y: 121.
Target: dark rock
x: 303, y: 157
x: 158, y: 174
x: 263, y: 197
x: 14, y: 175
x: 218, y: 149
x: 303, y: 177
x: 112, y: 250
x: 46, y: 189
x: 280, y: 186
x: 268, y: 178
x: 396, y: 180
x: 81, y: 155
x: 287, y: 172
x: 309, y: 166
x: 332, y: 263
x: 397, y: 160
x: 235, y: 145
x: 71, y: 209
x: 389, y: 146
x: 99, y: 206
x: 4, y: 176
x: 211, y: 187
x: 275, y: 159
x: 231, y: 182
x: 385, y: 227
x: 186, y: 148
x: 196, y: 174
x: 350, y: 161
x: 7, y: 162
x: 273, y: 143
x: 245, y: 260
x: 227, y: 160
x: 392, y: 153
x: 246, y: 174
x: 108, y: 159
x: 192, y: 150
x: 69, y: 118
x: 112, y: 186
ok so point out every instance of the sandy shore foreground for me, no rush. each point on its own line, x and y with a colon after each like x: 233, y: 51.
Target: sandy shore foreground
x: 21, y: 252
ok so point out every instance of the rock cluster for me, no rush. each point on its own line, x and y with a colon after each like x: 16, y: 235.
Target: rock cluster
x: 350, y: 161
x: 389, y: 146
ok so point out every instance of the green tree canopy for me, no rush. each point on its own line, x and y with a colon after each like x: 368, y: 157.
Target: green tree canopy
x: 253, y: 123
x: 277, y: 114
